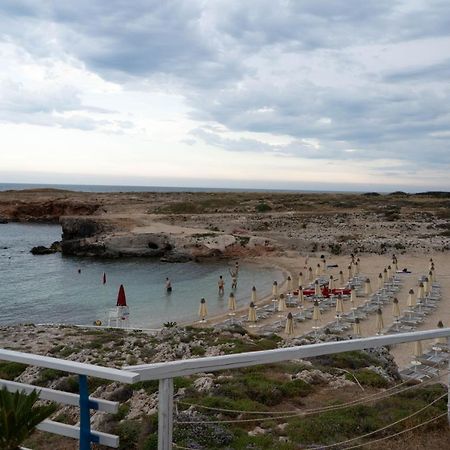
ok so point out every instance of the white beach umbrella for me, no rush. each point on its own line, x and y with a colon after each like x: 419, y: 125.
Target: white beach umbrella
x: 411, y: 302
x: 281, y: 303
x: 395, y: 265
x: 301, y: 297
x: 301, y: 281
x: 252, y: 313
x: 359, y: 264
x: 253, y: 298
x: 353, y: 299
x: 310, y: 274
x: 379, y: 323
x: 318, y: 270
x: 441, y: 340
x: 420, y: 292
x: 203, y: 310
x: 339, y: 305
x: 331, y: 283
x: 289, y: 284
x: 395, y: 309
x: 380, y: 282
x: 350, y: 272
x: 289, y: 329
x: 232, y: 303
x: 431, y: 276
x: 367, y: 287
x: 324, y: 265
x: 356, y: 268
x: 316, y: 311
x: 389, y: 272
x: 317, y: 291
x: 341, y: 278
x: 418, y: 350
x: 426, y: 286
x: 275, y: 290
x: 385, y: 275
x: 357, y: 328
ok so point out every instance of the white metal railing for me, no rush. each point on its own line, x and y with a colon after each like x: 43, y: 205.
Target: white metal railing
x: 86, y: 403
x: 165, y: 372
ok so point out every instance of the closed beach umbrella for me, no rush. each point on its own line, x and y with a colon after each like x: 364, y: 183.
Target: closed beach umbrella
x: 253, y: 299
x: 389, y: 272
x: 310, y: 274
x: 318, y: 270
x: 289, y: 329
x: 395, y: 309
x: 301, y: 297
x: 121, y: 298
x: 281, y: 303
x: 431, y: 276
x: 395, y: 265
x: 339, y: 305
x: 420, y: 291
x: 380, y: 323
x: 331, y: 283
x: 203, y: 310
x: 316, y: 311
x: 418, y: 351
x: 367, y: 287
x: 275, y: 290
x: 104, y: 278
x: 341, y: 278
x: 324, y: 266
x: 353, y: 299
x: 317, y: 291
x: 441, y: 340
x: 289, y: 284
x: 301, y: 281
x: 356, y: 268
x: 426, y: 286
x: 411, y: 302
x: 232, y: 303
x: 357, y: 328
x: 385, y: 275
x: 350, y: 272
x: 380, y: 281
x: 252, y: 313
x: 359, y: 264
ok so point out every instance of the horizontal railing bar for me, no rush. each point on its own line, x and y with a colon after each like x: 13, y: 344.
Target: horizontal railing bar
x: 197, y: 365
x: 67, y: 398
x: 72, y: 431
x: 49, y: 362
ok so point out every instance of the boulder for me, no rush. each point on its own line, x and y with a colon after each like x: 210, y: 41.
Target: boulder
x: 41, y: 250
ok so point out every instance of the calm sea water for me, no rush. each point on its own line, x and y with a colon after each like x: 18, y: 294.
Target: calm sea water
x: 48, y: 288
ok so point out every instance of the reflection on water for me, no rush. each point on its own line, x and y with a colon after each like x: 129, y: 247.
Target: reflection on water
x: 53, y: 288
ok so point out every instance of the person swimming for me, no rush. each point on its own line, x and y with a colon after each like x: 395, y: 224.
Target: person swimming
x: 168, y: 285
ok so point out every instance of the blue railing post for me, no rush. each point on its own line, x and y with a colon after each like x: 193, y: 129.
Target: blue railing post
x: 85, y: 417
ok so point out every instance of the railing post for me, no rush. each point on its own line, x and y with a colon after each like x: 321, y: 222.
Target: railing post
x: 165, y: 414
x: 85, y: 419
x: 448, y: 383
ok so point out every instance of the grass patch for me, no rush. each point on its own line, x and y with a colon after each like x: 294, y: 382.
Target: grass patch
x: 11, y: 370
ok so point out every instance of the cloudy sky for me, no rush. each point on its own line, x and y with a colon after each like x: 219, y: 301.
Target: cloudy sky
x: 308, y: 94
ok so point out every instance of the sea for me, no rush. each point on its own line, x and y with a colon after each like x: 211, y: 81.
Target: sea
x: 69, y: 290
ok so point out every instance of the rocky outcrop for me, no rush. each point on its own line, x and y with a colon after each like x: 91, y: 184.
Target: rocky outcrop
x: 110, y: 238
x: 42, y: 250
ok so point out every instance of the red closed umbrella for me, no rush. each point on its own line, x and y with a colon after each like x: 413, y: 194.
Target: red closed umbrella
x: 121, y: 299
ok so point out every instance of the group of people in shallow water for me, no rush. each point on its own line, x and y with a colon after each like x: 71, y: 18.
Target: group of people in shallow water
x: 234, y: 273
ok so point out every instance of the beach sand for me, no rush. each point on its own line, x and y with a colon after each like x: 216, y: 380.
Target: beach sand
x: 371, y: 266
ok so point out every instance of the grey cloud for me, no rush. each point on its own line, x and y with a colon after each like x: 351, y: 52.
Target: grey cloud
x: 434, y: 72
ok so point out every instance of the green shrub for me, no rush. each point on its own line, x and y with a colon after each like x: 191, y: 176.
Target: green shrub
x: 11, y: 370
x: 263, y: 207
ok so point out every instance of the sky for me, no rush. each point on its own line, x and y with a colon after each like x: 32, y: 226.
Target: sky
x: 301, y: 94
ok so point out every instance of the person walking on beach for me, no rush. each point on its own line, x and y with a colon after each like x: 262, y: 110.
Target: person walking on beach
x: 221, y: 285
x: 168, y: 286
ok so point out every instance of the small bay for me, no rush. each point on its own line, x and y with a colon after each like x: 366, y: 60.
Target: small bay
x: 58, y: 289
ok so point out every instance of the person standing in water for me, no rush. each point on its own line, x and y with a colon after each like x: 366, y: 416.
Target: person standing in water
x: 221, y: 285
x: 234, y: 276
x: 168, y: 286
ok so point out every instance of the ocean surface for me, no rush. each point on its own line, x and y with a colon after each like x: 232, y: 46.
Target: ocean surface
x: 108, y: 188
x: 49, y: 289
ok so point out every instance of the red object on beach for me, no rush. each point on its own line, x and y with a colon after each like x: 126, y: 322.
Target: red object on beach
x: 104, y: 278
x: 121, y: 299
